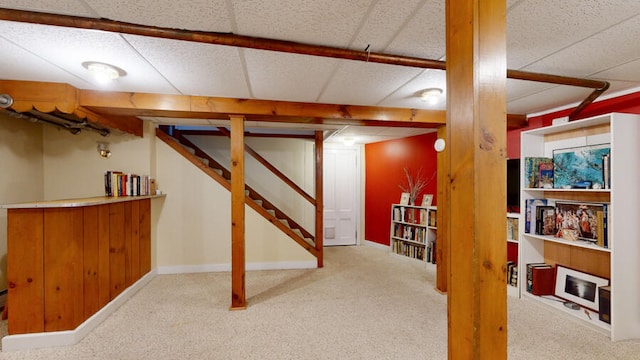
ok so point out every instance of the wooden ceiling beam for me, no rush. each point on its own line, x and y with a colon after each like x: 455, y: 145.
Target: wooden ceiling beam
x: 201, y: 107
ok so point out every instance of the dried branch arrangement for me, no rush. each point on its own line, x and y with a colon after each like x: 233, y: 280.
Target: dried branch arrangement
x: 415, y: 185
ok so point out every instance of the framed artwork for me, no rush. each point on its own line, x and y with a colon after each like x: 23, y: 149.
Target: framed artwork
x: 578, y: 287
x: 426, y: 200
x: 579, y: 167
x: 404, y: 198
x: 584, y: 221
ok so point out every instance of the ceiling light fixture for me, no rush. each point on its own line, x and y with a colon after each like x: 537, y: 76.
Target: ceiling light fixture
x: 103, y: 73
x: 431, y: 96
x: 349, y: 141
x: 103, y: 150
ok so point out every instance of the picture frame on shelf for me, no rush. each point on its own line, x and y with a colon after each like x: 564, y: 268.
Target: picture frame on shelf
x: 580, y: 220
x: 578, y: 287
x: 426, y: 200
x: 404, y: 198
x: 579, y: 167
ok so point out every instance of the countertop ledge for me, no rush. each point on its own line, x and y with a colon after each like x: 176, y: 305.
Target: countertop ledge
x: 98, y: 200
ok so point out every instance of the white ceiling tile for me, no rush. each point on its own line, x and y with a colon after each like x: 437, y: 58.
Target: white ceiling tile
x: 383, y: 24
x: 539, y: 28
x: 552, y: 98
x: 284, y: 76
x: 65, y: 7
x: 424, y: 35
x: 629, y: 72
x: 195, y: 68
x: 69, y: 48
x: 320, y: 22
x: 18, y: 64
x: 517, y: 89
x: 202, y: 15
x: 580, y: 59
x: 361, y: 83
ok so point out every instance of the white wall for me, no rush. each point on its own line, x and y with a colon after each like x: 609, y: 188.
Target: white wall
x: 195, y: 223
x: 73, y: 168
x: 293, y: 157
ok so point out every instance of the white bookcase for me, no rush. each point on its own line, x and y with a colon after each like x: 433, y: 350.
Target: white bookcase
x: 620, y: 261
x: 413, y: 231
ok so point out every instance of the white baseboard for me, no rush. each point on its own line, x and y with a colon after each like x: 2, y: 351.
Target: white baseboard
x: 71, y: 337
x: 375, y: 244
x: 283, y: 265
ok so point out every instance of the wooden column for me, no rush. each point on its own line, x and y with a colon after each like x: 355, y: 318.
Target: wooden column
x: 319, y: 198
x: 238, y: 300
x: 442, y: 231
x: 476, y: 132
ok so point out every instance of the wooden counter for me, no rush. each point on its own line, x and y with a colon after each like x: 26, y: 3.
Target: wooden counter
x: 67, y: 259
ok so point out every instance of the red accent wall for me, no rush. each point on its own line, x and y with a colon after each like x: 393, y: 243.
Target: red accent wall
x: 384, y: 173
x: 629, y: 104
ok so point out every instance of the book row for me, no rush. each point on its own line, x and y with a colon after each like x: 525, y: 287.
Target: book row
x: 410, y: 250
x: 410, y: 215
x: 409, y: 232
x: 585, y: 167
x: 568, y: 220
x: 512, y: 273
x: 117, y: 183
x: 431, y: 252
x: 512, y: 229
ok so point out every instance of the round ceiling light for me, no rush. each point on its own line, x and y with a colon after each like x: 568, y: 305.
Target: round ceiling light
x: 103, y: 73
x: 431, y: 96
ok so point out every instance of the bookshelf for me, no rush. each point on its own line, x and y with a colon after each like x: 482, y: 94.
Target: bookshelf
x: 617, y: 260
x: 413, y: 232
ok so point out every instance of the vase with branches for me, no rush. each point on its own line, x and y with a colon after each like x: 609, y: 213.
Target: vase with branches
x: 415, y: 184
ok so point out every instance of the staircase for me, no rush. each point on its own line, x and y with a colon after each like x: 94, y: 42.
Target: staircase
x: 256, y: 201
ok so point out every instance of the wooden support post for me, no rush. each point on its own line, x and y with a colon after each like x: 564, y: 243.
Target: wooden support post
x: 238, y: 300
x: 319, y: 198
x: 476, y: 132
x: 442, y: 221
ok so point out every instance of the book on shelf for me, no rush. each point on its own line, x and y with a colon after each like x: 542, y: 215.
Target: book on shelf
x: 529, y: 274
x: 543, y: 280
x: 606, y: 170
x: 532, y: 170
x: 512, y: 228
x: 512, y: 273
x: 545, y: 220
x: 530, y: 213
x: 545, y: 175
x: 118, y: 183
x: 604, y: 303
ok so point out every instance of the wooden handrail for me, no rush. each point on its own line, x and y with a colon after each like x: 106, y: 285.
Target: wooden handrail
x: 274, y: 170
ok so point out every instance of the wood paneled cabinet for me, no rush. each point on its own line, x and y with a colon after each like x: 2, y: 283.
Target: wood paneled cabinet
x: 64, y: 263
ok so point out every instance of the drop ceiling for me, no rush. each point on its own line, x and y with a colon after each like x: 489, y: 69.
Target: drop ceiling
x: 593, y: 39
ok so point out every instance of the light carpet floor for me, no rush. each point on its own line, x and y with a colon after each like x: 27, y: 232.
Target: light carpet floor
x: 364, y: 304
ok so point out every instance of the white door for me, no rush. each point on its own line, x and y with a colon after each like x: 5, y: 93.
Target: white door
x: 341, y: 194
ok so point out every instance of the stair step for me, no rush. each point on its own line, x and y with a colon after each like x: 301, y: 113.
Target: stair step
x: 189, y: 149
x: 218, y: 171
x: 285, y: 222
x: 298, y: 232
x: 205, y: 161
x: 259, y: 202
x: 272, y: 212
x: 309, y: 241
